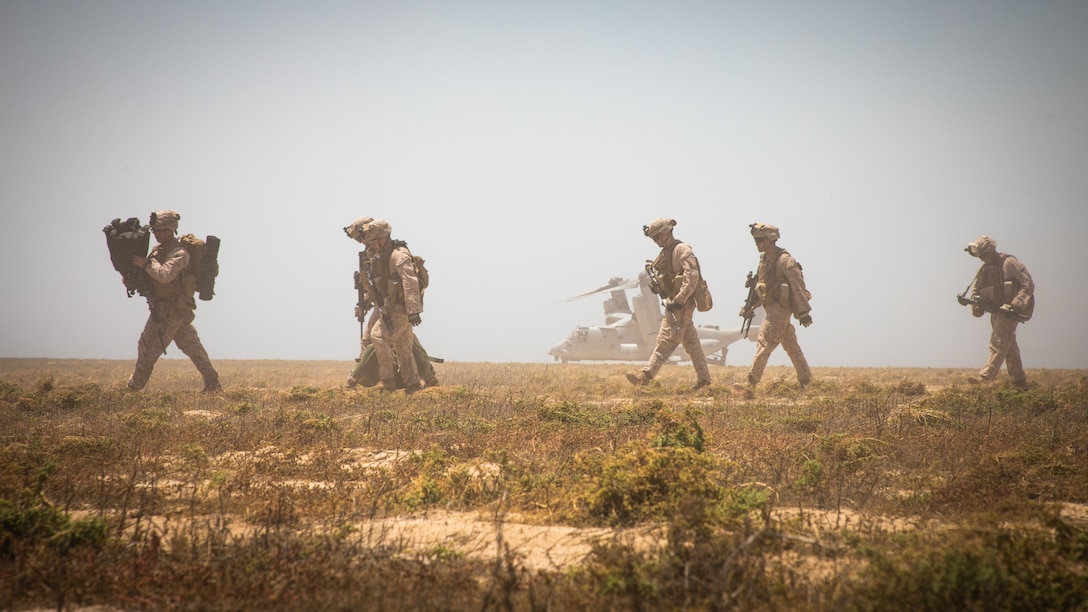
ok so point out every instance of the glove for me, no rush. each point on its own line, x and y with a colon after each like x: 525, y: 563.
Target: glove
x: 805, y: 320
x: 672, y: 306
x: 414, y: 320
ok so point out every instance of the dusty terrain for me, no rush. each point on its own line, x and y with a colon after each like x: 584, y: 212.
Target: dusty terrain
x: 541, y: 469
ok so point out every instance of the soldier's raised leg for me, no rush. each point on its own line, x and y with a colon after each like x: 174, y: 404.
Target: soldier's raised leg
x: 668, y: 338
x: 189, y: 343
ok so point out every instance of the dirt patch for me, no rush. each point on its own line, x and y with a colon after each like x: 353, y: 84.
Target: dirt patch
x: 537, y: 547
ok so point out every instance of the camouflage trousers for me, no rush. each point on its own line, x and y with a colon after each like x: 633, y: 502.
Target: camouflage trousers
x: 777, y: 329
x: 677, y: 328
x: 1003, y: 349
x: 159, y: 332
x: 395, y: 336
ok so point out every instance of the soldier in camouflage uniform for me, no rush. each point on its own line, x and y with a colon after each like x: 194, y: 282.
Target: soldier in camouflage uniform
x: 1003, y: 287
x: 780, y: 289
x: 677, y: 271
x: 172, y: 306
x: 392, y: 283
x: 356, y: 231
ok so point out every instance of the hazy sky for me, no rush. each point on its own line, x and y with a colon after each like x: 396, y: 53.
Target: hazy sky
x: 521, y: 146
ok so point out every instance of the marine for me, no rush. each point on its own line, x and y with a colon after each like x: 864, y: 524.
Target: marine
x: 172, y: 286
x: 780, y: 289
x: 366, y: 371
x: 1004, y: 288
x: 677, y: 276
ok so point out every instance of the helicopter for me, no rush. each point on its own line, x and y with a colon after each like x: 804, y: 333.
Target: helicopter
x: 630, y: 334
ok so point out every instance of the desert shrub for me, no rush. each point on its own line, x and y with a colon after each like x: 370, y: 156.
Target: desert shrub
x: 300, y: 393
x: 780, y: 387
x: 46, y: 395
x: 244, y: 407
x: 1016, y: 480
x: 875, y: 403
x: 802, y: 424
x: 10, y: 392
x: 38, y: 542
x: 148, y: 420
x: 838, y: 467
x: 573, y: 414
x: 705, y: 563
x: 643, y: 483
x: 812, y: 475
x: 680, y: 431
x: 650, y: 479
x: 981, y: 569
x: 642, y: 413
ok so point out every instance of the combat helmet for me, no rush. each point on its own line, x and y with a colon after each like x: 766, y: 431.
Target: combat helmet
x: 658, y: 226
x: 764, y: 230
x: 165, y: 219
x: 355, y: 230
x: 376, y: 229
x: 980, y: 247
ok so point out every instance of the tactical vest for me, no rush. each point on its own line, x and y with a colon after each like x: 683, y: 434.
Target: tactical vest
x: 990, y: 285
x: 663, y: 270
x: 386, y: 281
x: 178, y: 293
x: 767, y: 277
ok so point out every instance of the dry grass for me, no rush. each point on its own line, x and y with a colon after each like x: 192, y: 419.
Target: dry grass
x: 540, y: 486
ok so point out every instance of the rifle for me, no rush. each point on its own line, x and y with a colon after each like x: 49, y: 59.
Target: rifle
x: 362, y: 307
x: 379, y: 301
x: 655, y: 287
x: 990, y: 307
x: 748, y: 311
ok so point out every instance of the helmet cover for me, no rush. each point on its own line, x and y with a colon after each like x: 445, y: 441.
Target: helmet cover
x: 764, y: 230
x: 355, y: 230
x: 165, y: 219
x: 658, y: 226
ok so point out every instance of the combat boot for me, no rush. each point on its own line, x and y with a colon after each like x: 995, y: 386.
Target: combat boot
x: 639, y: 379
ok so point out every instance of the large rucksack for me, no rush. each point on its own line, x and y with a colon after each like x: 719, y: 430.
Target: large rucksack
x: 125, y: 240
x: 204, y: 262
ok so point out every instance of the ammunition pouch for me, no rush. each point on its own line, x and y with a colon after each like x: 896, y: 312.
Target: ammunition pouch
x: 761, y: 291
x: 703, y: 300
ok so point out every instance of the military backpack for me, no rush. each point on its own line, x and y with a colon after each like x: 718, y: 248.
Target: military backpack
x: 203, y: 263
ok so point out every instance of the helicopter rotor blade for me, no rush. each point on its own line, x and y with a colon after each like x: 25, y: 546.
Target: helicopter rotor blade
x: 615, y: 283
